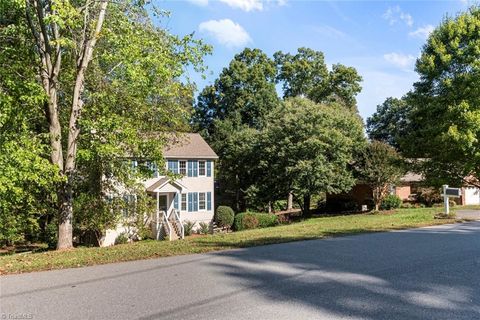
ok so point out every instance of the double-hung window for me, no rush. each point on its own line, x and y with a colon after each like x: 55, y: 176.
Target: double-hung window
x: 184, y: 202
x: 202, y: 201
x: 182, y: 164
x: 201, y: 169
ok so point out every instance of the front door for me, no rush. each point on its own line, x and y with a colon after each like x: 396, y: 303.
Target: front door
x: 163, y: 202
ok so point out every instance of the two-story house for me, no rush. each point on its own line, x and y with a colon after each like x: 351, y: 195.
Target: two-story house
x: 190, y: 197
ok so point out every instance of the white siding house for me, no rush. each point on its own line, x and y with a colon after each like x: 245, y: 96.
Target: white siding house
x: 190, y: 197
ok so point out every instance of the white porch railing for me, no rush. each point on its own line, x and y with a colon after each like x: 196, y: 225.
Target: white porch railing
x: 179, y: 223
x: 174, y: 217
x: 163, y: 222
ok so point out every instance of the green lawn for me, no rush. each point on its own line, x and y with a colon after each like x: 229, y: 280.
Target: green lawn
x: 314, y: 228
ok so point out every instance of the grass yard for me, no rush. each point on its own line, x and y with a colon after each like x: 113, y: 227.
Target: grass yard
x: 314, y: 228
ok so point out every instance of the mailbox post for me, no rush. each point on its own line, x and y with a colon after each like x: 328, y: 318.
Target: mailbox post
x: 449, y: 193
x: 446, y: 203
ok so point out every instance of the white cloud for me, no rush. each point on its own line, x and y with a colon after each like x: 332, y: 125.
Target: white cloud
x: 201, y: 3
x: 400, y: 60
x: 245, y: 5
x: 329, y: 31
x: 422, y: 32
x: 395, y: 14
x: 226, y: 32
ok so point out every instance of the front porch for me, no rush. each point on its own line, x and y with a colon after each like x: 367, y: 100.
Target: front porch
x: 166, y: 222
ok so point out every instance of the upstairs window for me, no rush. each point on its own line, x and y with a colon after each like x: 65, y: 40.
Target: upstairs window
x: 183, y: 167
x: 201, y: 168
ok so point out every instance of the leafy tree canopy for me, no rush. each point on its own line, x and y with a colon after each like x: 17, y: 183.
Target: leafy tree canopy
x: 305, y: 74
x: 445, y: 120
x: 308, y: 148
x: 243, y: 93
x: 380, y: 167
x: 388, y: 123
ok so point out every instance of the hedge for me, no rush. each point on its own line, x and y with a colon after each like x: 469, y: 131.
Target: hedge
x: 252, y: 220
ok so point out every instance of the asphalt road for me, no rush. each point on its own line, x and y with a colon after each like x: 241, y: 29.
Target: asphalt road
x: 428, y: 273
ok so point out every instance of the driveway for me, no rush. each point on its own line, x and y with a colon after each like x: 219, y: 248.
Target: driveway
x: 427, y: 273
x: 468, y: 214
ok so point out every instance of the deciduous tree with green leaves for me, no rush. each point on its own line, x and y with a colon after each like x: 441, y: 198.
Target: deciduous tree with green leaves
x: 230, y: 113
x: 445, y: 119
x: 308, y: 149
x: 389, y: 122
x: 27, y: 178
x: 305, y: 74
x: 110, y: 79
x: 380, y: 167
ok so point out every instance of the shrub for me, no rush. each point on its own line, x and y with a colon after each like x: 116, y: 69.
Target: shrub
x: 121, y: 238
x: 188, y: 227
x: 204, y: 228
x: 407, y: 205
x: 429, y: 196
x: 250, y: 220
x: 224, y: 217
x: 51, y: 235
x: 391, y: 202
x: 280, y: 205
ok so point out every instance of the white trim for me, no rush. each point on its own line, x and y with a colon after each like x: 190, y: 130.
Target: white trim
x: 186, y: 202
x: 186, y: 168
x: 204, y: 201
x: 204, y: 168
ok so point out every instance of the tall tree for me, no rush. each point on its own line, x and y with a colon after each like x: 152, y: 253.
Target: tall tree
x: 26, y: 177
x: 105, y: 102
x: 389, y: 122
x: 380, y: 167
x: 307, y: 149
x: 229, y: 112
x: 243, y: 93
x: 305, y: 74
x: 444, y: 123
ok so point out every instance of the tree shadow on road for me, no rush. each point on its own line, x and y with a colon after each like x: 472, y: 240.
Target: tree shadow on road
x: 414, y: 274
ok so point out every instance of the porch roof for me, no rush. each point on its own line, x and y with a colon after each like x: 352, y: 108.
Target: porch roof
x: 164, y: 183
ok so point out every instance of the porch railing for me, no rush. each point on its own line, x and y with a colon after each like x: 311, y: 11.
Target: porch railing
x: 179, y: 223
x: 163, y: 222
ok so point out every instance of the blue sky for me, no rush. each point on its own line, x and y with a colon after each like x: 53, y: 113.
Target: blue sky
x: 381, y: 39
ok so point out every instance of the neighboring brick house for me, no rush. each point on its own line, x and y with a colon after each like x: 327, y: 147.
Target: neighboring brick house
x: 188, y: 198
x: 406, y: 189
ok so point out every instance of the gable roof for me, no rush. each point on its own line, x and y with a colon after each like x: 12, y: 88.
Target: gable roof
x: 162, y: 182
x: 188, y: 145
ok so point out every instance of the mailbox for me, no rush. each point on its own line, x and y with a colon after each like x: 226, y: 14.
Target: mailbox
x: 453, y: 192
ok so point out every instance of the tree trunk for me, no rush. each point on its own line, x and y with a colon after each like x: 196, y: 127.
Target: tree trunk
x: 65, y: 229
x: 306, y: 205
x: 290, y: 201
x: 65, y: 226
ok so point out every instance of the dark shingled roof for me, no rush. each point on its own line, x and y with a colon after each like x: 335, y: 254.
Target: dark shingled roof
x: 188, y: 145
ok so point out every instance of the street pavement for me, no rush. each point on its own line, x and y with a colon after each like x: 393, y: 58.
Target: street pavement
x: 426, y: 273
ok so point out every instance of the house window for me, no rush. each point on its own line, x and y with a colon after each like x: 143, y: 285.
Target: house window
x: 201, y: 168
x: 184, y: 202
x: 183, y: 167
x: 201, y: 201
